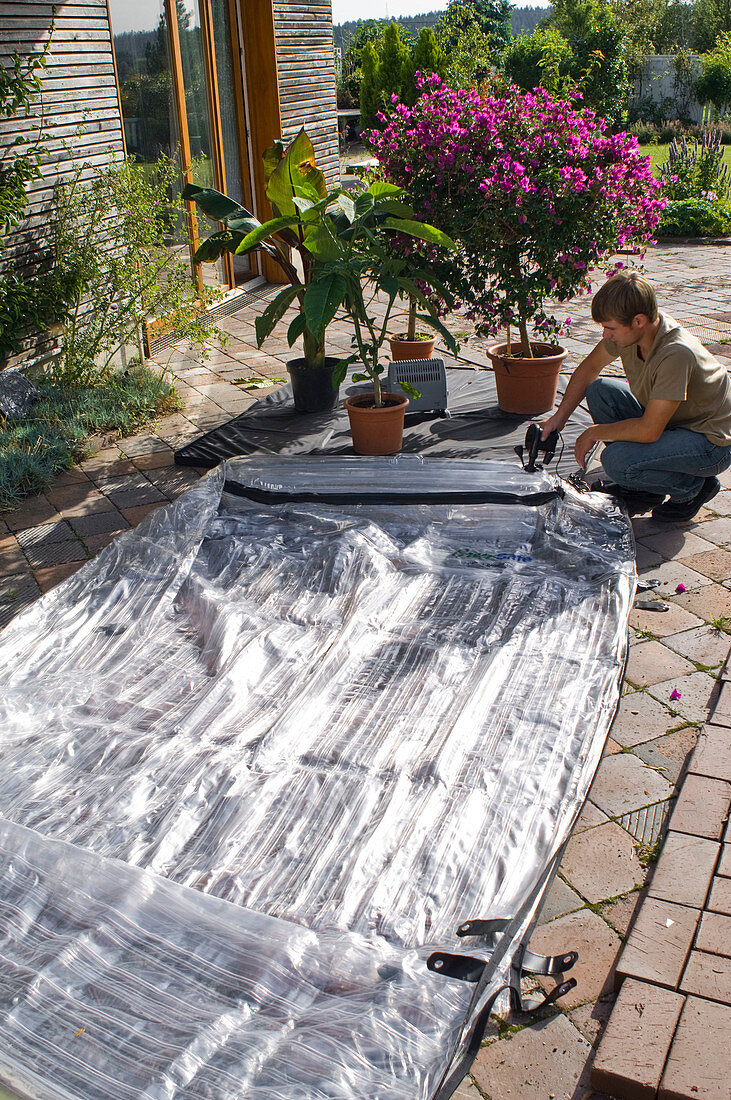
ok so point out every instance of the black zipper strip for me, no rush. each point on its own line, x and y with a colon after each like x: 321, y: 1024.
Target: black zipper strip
x: 271, y: 496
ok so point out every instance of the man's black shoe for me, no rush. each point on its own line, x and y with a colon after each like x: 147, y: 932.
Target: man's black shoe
x: 684, y: 510
x: 634, y: 500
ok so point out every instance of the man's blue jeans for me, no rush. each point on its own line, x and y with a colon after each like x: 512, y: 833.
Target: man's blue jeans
x: 676, y: 464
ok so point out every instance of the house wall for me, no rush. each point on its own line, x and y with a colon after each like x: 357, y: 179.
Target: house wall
x: 306, y: 68
x: 77, y: 109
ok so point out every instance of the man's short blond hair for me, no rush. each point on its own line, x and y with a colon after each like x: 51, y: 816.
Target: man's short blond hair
x: 622, y: 297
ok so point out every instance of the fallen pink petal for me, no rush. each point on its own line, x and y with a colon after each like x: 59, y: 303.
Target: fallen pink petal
x: 680, y: 588
x: 674, y: 694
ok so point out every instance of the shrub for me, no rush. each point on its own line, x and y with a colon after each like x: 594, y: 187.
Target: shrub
x: 696, y: 217
x: 37, y: 447
x: 695, y: 168
x: 535, y: 191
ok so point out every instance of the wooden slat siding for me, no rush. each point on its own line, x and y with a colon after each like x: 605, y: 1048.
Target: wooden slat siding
x: 306, y: 67
x: 81, y: 118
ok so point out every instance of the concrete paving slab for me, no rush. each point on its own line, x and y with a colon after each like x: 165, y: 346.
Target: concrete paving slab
x: 659, y: 943
x: 711, y: 602
x: 715, y: 564
x: 624, y: 783
x: 663, y: 623
x: 561, y: 899
x: 602, y: 863
x: 650, y: 662
x: 635, y: 1045
x: 704, y: 644
x: 597, y: 945
x: 668, y: 754
x: 684, y: 871
x: 676, y: 543
x: 692, y: 694
x: 641, y: 718
x: 541, y: 1061
x: 699, y: 1062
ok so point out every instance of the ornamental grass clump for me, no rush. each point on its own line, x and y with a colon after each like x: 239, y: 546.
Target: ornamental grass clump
x: 532, y: 187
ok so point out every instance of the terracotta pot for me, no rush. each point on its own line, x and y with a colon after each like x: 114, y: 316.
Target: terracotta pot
x: 402, y: 349
x: 376, y: 431
x: 527, y: 386
x: 312, y: 387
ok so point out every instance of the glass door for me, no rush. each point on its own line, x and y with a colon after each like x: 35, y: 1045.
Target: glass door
x: 181, y: 93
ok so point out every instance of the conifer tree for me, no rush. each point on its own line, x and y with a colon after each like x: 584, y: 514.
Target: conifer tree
x: 394, y: 71
x: 370, y: 98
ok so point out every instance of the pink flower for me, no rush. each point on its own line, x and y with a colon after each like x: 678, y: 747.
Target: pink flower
x: 680, y: 588
x: 674, y: 694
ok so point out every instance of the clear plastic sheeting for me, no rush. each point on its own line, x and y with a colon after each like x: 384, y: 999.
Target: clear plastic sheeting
x: 341, y: 705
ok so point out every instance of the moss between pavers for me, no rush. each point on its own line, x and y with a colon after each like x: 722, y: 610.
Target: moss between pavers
x: 33, y: 450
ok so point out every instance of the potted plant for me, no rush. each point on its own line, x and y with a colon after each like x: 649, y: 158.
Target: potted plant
x: 346, y: 247
x: 535, y: 192
x: 412, y: 343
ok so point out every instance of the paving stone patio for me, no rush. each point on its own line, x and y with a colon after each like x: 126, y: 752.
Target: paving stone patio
x: 664, y: 947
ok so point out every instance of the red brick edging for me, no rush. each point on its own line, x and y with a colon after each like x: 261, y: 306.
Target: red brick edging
x: 669, y: 1035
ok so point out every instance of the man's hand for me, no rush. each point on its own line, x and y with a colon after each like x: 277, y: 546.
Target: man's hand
x: 554, y: 423
x: 586, y: 441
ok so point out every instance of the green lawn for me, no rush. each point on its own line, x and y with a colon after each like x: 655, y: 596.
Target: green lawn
x: 659, y: 154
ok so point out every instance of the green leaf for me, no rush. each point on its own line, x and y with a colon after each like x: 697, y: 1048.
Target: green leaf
x: 295, y: 330
x: 274, y: 313
x: 213, y: 247
x: 436, y: 324
x: 320, y: 243
x: 296, y: 174
x: 272, y: 158
x: 243, y: 224
x: 217, y: 206
x: 322, y: 301
x: 363, y: 203
x: 421, y: 231
x: 263, y: 232
x: 380, y: 187
x: 390, y: 285
x: 341, y: 369
x: 346, y: 204
x: 396, y: 207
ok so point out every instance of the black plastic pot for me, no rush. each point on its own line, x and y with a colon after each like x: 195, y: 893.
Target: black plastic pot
x: 312, y: 387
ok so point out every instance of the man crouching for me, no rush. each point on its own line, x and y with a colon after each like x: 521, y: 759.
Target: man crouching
x: 667, y: 429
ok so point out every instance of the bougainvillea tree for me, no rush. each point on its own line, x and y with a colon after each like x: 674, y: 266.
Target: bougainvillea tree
x: 531, y: 185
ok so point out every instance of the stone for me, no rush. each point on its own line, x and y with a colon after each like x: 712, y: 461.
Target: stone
x: 699, y: 1063
x: 466, y: 1091
x: 676, y: 543
x: 720, y: 897
x: 621, y: 913
x: 561, y: 899
x: 708, y: 976
x: 714, y: 934
x: 662, y: 623
x: 597, y: 945
x: 702, y: 807
x: 632, y: 1054
x: 658, y: 944
x: 712, y: 602
x: 695, y: 694
x: 684, y: 871
x: 590, y: 816
x: 623, y: 783
x: 542, y: 1060
x: 651, y: 662
x: 703, y: 644
x: 717, y: 530
x: 672, y: 573
x: 641, y: 718
x: 669, y: 753
x: 602, y: 863
x: 721, y: 708
x: 712, y: 754
x: 17, y: 394
x: 591, y: 1018
x: 715, y: 564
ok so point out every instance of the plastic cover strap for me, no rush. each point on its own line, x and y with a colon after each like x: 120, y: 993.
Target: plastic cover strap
x: 262, y: 757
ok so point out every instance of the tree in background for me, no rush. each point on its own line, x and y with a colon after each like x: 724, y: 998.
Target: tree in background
x: 711, y: 18
x: 714, y: 84
x: 349, y: 81
x: 599, y: 68
x: 543, y: 59
x: 370, y: 96
x: 393, y: 69
x: 427, y: 57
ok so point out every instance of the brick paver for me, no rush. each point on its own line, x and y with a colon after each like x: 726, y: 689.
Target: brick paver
x: 594, y: 902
